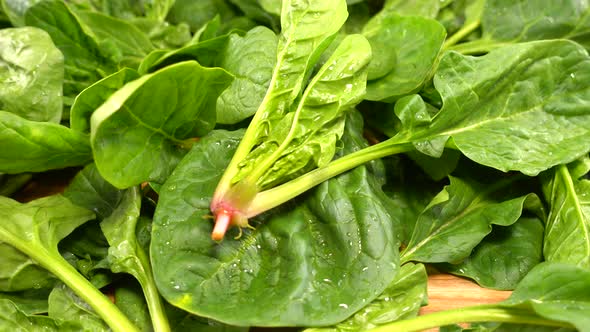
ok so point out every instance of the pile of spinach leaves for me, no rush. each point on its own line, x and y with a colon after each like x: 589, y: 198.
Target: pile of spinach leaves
x: 244, y: 163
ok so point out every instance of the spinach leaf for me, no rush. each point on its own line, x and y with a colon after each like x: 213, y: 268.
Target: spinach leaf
x: 405, y: 51
x: 125, y: 43
x: 461, y: 215
x: 71, y: 313
x: 139, y: 133
x: 400, y: 300
x: 500, y: 113
x: 567, y: 234
x: 15, y: 10
x: 29, y: 146
x: 250, y: 59
x: 198, y: 13
x: 505, y: 256
x: 83, y: 59
x: 30, y: 302
x: 95, y: 95
x: 31, y: 74
x: 338, y: 237
x: 13, y: 319
x: 18, y: 272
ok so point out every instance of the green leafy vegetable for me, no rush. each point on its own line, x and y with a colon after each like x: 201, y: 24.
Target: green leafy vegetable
x: 139, y: 133
x: 29, y: 146
x: 31, y: 74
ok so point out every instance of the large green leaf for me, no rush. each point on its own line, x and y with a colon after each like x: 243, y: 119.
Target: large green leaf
x: 29, y: 146
x: 567, y: 230
x: 522, y: 107
x: 83, y: 59
x: 71, y: 313
x: 30, y: 301
x: 18, y: 272
x: 31, y: 74
x: 461, y: 215
x: 138, y: 133
x: 309, y: 252
x: 405, y: 49
x: 505, y: 256
x: 400, y: 300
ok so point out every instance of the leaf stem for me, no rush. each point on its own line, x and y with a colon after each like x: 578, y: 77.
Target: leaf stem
x: 271, y: 198
x: 154, y: 301
x: 460, y: 34
x: 482, y: 313
x: 106, y: 309
x: 479, y: 46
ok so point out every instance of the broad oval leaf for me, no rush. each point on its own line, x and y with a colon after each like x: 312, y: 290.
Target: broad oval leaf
x: 138, y: 133
x: 338, y: 237
x: 30, y: 146
x: 31, y: 74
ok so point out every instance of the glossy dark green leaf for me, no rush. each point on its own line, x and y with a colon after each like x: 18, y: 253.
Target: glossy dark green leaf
x: 138, y: 134
x: 405, y: 49
x: 83, y: 59
x: 31, y: 74
x: 505, y: 256
x: 556, y: 291
x: 30, y: 146
x: 250, y: 59
x: 567, y: 233
x: 461, y: 215
x: 400, y: 300
x: 13, y: 319
x: 522, y: 107
x: 525, y: 20
x: 338, y: 237
x: 95, y: 95
x: 129, y: 44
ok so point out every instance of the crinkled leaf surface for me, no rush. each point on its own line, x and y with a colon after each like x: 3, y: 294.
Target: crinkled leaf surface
x: 31, y: 74
x: 30, y: 146
x: 250, y: 59
x: 405, y: 49
x: 83, y: 59
x: 461, y: 215
x: 522, y: 107
x: 567, y: 232
x: 400, y: 300
x: 138, y: 133
x: 292, y: 269
x: 505, y: 256
x: 95, y: 95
